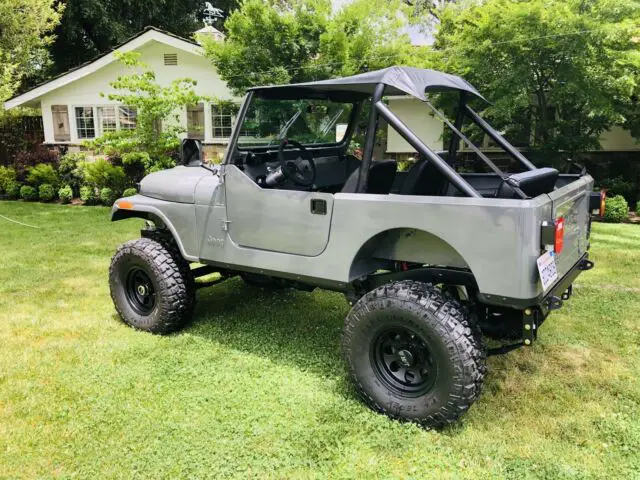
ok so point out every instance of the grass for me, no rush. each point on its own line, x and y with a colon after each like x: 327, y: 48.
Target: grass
x: 255, y: 386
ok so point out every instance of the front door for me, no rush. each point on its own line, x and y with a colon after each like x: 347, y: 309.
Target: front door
x: 286, y: 221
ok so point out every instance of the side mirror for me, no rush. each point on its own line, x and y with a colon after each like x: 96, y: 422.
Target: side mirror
x: 191, y: 152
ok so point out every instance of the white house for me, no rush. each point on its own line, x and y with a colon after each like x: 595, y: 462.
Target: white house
x: 430, y: 129
x: 419, y: 119
x: 74, y: 110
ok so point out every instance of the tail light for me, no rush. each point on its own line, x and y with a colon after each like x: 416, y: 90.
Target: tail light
x: 603, y: 202
x: 558, y: 243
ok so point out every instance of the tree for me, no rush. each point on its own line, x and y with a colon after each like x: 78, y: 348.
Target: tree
x: 92, y: 27
x: 430, y: 7
x: 569, y: 68
x: 276, y: 41
x: 25, y: 32
x: 152, y: 144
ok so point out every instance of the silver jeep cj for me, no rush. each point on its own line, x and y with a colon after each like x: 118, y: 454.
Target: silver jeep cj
x: 431, y: 259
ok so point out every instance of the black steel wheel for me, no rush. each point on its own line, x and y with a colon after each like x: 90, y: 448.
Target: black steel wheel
x: 413, y: 354
x: 403, y: 361
x: 149, y: 289
x: 140, y: 291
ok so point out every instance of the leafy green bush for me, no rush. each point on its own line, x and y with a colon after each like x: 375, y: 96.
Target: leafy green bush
x: 71, y: 173
x: 41, y: 174
x: 88, y: 195
x: 7, y: 175
x: 12, y: 189
x: 26, y: 160
x: 637, y: 210
x: 46, y: 192
x: 616, y: 209
x: 101, y: 174
x: 107, y: 196
x: 27, y: 192
x: 129, y: 192
x: 65, y: 194
x: 618, y: 186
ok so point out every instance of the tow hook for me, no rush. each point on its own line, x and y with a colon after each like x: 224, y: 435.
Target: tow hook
x: 554, y: 303
x: 586, y: 265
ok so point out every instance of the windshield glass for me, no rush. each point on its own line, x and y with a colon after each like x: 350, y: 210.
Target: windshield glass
x: 309, y: 121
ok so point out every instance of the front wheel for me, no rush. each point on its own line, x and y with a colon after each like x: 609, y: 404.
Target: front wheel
x: 149, y: 289
x: 412, y: 353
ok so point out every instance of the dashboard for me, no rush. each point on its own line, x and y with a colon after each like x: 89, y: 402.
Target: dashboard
x: 332, y: 168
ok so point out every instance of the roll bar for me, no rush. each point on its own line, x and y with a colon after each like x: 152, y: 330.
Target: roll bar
x: 496, y: 137
x: 446, y: 169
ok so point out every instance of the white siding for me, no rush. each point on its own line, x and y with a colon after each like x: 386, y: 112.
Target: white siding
x: 86, y: 91
x: 429, y: 129
x: 416, y: 116
x: 618, y: 139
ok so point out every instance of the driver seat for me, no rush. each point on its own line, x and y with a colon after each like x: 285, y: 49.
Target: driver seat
x: 381, y: 176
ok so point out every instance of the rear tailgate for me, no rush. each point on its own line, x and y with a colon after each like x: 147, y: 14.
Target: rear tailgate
x: 571, y: 203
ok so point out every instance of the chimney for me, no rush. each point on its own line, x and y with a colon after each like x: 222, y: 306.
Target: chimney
x: 209, y: 32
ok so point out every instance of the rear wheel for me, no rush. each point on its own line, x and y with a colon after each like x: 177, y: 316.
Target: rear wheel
x: 149, y: 288
x: 412, y: 354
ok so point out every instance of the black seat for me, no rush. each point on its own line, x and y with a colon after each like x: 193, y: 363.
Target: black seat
x: 424, y: 178
x: 532, y: 183
x: 381, y: 175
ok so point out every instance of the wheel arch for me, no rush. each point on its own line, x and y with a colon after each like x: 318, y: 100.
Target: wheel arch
x: 154, y: 215
x: 404, y: 245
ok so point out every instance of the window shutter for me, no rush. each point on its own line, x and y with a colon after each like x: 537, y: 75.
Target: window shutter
x: 171, y: 59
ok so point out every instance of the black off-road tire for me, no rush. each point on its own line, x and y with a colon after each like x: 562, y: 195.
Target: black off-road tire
x: 164, y: 238
x: 170, y: 306
x: 439, y: 328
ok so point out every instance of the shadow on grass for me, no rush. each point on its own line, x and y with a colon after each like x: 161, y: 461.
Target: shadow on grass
x: 286, y: 326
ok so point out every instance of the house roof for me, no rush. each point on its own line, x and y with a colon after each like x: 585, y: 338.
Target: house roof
x: 399, y: 81
x: 145, y: 36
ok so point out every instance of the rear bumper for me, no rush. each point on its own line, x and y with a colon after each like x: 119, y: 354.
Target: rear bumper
x: 537, y: 311
x: 554, y: 298
x: 548, y: 300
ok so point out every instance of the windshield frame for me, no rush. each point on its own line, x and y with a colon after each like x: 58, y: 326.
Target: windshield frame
x: 235, y: 147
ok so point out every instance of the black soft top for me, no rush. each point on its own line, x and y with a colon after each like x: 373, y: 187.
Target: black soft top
x: 398, y: 81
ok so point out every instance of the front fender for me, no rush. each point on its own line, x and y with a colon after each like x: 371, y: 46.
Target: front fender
x: 178, y: 218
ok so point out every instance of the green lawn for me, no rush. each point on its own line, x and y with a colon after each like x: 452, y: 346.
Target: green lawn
x: 255, y: 386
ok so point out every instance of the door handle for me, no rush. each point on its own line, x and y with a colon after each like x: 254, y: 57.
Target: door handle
x: 318, y: 206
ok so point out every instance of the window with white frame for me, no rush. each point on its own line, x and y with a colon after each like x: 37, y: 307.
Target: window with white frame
x: 222, y: 119
x: 85, y: 124
x: 107, y: 119
x: 127, y: 117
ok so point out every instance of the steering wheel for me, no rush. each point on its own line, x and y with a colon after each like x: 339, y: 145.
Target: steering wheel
x: 303, y: 176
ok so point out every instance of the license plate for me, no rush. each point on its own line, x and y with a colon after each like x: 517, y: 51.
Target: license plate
x: 547, y: 269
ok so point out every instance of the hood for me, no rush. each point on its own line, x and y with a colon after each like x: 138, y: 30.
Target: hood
x: 177, y: 184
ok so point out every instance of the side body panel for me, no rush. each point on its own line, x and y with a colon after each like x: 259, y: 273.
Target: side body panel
x: 275, y: 220
x: 497, y: 239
